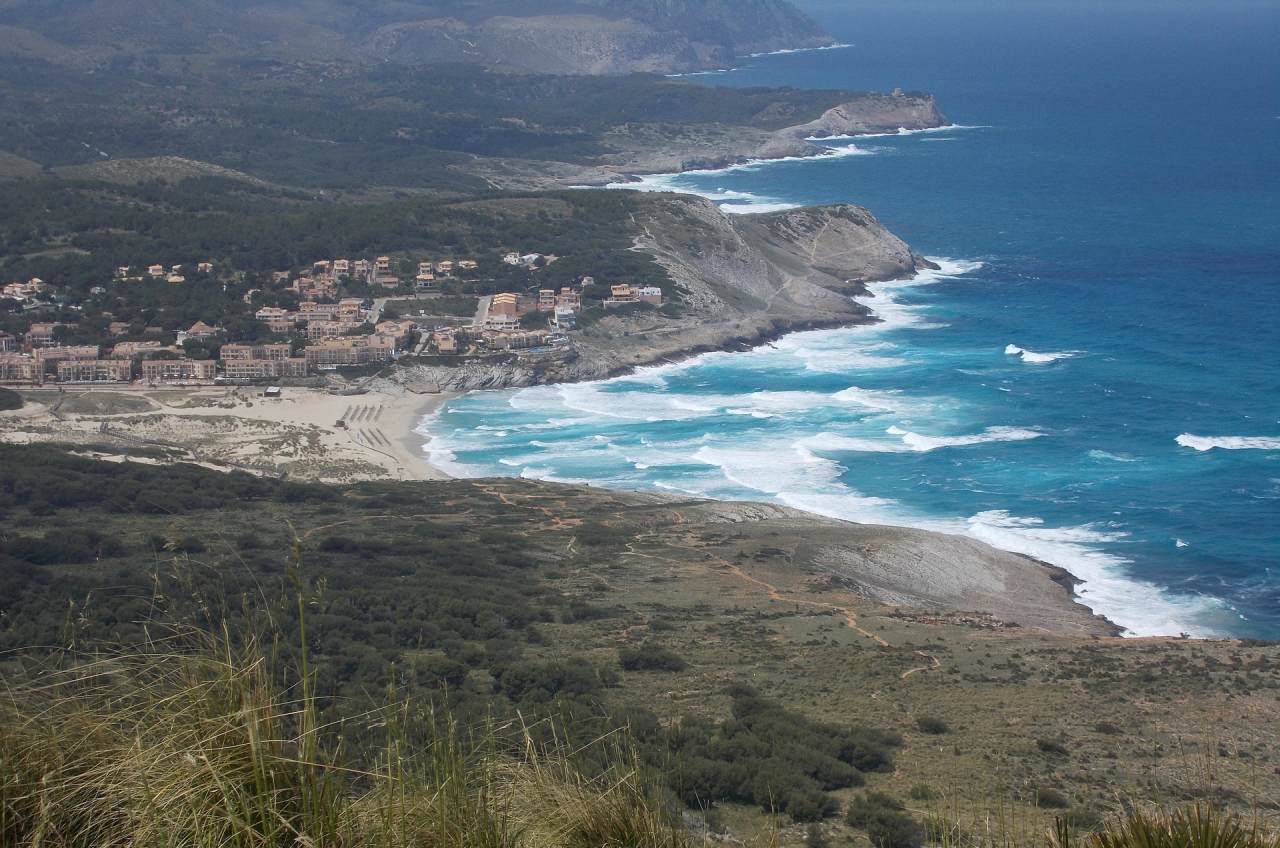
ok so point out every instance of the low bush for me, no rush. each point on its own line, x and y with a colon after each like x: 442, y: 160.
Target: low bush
x: 932, y: 725
x: 1049, y: 746
x: 885, y: 820
x: 650, y: 657
x: 9, y: 399
x: 770, y: 756
x: 922, y: 792
x: 1048, y: 798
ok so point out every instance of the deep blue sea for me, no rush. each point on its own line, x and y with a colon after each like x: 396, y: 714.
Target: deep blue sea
x: 1094, y: 378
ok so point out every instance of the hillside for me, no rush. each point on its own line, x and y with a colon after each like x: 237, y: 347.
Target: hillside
x: 549, y: 36
x: 730, y: 280
x: 965, y: 681
x: 452, y: 129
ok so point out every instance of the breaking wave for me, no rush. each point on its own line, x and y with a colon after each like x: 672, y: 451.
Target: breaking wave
x: 901, y: 131
x: 908, y: 441
x: 1031, y: 357
x: 704, y: 427
x: 799, y: 50
x: 1208, y: 443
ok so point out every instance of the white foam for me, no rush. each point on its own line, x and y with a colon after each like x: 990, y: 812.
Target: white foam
x: 901, y: 131
x: 1207, y: 443
x: 440, y: 453
x: 892, y: 313
x: 1142, y: 608
x: 596, y: 401
x: 917, y: 442
x: 669, y: 182
x: 714, y: 72
x: 1110, y: 457
x: 837, y: 355
x: 760, y: 207
x: 791, y: 471
x: 909, y: 442
x: 788, y: 52
x: 1031, y: 357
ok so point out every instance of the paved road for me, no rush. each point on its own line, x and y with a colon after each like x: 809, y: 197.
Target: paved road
x: 482, y: 312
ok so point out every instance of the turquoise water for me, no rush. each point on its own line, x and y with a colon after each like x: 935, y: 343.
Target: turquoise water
x: 1094, y: 378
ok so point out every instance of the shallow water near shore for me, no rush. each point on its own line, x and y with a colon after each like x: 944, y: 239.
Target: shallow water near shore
x: 1094, y: 377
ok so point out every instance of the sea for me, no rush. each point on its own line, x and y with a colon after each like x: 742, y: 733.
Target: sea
x: 1092, y: 379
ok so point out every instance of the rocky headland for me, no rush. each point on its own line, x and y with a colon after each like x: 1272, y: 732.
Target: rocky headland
x: 743, y: 280
x: 659, y: 148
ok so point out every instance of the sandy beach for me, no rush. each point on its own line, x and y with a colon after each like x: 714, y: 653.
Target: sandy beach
x: 305, y: 434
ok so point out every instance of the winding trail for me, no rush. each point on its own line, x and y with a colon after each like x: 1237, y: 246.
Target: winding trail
x: 775, y: 594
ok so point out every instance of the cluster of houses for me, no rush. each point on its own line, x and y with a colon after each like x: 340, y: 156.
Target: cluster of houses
x: 322, y: 279
x: 37, y: 358
x: 337, y: 332
x: 506, y: 309
x: 501, y: 327
x: 527, y: 260
x: 170, y: 274
x: 33, y: 290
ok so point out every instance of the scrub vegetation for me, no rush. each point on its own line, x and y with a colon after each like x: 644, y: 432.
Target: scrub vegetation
x: 675, y: 673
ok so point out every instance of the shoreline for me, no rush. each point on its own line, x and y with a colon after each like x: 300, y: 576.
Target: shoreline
x: 234, y: 428
x: 1058, y: 574
x: 652, y: 181
x: 408, y: 415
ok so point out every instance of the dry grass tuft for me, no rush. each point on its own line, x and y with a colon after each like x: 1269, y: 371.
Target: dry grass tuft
x: 199, y: 749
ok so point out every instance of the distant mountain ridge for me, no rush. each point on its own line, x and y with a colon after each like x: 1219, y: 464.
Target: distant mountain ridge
x: 548, y: 36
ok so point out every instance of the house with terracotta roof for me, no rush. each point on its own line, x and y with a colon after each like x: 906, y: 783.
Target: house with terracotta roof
x: 198, y: 331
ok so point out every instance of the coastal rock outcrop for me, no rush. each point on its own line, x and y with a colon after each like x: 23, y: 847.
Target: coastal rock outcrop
x: 845, y: 244
x: 876, y: 113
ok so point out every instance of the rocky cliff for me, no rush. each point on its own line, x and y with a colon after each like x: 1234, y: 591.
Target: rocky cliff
x: 743, y: 280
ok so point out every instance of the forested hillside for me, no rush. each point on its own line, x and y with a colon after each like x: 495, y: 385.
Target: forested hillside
x: 314, y: 125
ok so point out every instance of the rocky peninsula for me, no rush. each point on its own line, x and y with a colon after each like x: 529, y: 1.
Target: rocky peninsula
x: 634, y: 149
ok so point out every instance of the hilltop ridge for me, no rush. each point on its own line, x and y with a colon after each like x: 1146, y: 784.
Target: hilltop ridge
x: 549, y: 36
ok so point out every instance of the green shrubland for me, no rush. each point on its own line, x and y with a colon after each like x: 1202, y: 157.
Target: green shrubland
x: 374, y: 636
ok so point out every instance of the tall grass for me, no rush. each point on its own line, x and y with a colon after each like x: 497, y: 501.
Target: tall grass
x: 1198, y: 826
x: 200, y: 748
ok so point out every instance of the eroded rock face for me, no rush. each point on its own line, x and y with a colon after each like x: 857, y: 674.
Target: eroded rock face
x: 846, y: 244
x: 801, y: 260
